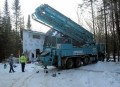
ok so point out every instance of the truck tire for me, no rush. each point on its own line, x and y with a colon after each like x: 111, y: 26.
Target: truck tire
x: 69, y: 64
x: 64, y: 63
x: 77, y: 62
x: 86, y: 60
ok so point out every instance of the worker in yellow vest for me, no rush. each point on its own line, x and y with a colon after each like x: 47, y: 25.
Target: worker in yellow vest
x: 23, y: 61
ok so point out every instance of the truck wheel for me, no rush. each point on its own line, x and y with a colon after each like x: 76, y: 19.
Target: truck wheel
x: 63, y: 63
x: 86, y: 60
x: 69, y: 64
x: 77, y: 62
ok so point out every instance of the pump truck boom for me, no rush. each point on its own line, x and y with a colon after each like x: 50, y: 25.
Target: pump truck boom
x: 66, y: 54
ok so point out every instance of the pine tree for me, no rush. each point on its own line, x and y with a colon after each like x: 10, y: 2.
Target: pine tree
x: 22, y: 26
x: 29, y: 23
x: 1, y: 39
x: 0, y: 21
x: 7, y: 17
x: 6, y: 25
x: 17, y: 13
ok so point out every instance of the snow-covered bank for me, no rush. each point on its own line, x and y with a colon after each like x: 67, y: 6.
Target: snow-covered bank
x: 102, y: 74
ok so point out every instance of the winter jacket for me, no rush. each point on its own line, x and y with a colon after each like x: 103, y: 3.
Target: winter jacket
x: 10, y: 60
x: 23, y: 59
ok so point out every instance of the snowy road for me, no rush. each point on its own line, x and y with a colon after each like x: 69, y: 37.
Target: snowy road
x: 102, y: 74
x: 22, y: 81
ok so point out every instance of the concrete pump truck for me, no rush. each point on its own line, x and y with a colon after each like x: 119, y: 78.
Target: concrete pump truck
x: 73, y: 47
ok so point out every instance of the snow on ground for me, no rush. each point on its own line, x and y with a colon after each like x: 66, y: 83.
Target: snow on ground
x: 102, y: 74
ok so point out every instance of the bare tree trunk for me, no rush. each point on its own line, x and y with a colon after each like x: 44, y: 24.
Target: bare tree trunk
x: 118, y: 52
x: 93, y: 17
x: 117, y: 24
x: 119, y: 30
x: 113, y: 34
x: 106, y: 38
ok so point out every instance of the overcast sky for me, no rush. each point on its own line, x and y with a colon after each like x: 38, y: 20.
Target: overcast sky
x: 67, y: 7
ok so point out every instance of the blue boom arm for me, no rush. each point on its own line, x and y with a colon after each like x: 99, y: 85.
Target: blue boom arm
x: 54, y: 19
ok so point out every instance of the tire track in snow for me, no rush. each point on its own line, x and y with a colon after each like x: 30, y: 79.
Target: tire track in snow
x: 21, y: 82
x: 98, y: 71
x: 16, y: 80
x: 46, y: 81
x: 24, y: 83
x: 91, y: 70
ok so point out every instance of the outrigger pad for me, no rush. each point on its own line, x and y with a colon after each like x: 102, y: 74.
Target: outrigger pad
x: 45, y: 67
x: 45, y: 71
